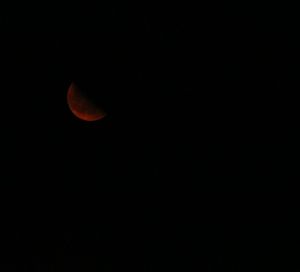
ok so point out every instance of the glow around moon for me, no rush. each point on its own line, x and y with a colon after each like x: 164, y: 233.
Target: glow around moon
x: 82, y: 107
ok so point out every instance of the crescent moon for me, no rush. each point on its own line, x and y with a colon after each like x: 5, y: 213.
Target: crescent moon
x: 82, y: 107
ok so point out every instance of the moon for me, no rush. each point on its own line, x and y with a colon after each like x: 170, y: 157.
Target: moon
x: 82, y: 107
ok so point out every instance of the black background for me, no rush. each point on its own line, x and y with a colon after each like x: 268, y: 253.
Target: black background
x: 195, y: 165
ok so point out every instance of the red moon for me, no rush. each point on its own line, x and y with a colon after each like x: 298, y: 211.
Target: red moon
x: 81, y: 106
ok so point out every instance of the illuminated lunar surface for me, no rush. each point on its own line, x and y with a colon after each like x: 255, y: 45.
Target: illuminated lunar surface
x: 82, y: 107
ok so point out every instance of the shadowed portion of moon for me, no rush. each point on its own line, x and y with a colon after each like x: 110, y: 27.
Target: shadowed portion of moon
x: 82, y: 107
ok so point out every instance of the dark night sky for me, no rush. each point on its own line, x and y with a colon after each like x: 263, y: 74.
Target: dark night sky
x: 193, y: 167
